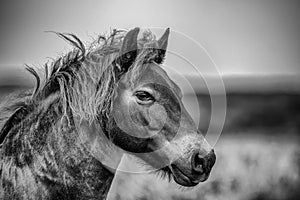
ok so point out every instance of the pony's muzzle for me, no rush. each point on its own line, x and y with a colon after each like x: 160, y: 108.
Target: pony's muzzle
x: 203, y: 164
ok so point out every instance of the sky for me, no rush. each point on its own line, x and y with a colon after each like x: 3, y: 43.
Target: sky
x: 242, y: 37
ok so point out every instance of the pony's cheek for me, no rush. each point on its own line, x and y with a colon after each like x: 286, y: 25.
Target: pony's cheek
x: 157, y: 116
x: 139, y: 118
x: 151, y: 118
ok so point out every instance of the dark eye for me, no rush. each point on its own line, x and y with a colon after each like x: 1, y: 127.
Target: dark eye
x: 144, y: 97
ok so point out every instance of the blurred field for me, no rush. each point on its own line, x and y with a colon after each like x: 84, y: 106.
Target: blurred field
x: 258, y: 153
x: 247, y: 168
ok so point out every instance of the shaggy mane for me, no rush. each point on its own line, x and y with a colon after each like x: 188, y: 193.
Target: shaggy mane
x: 84, y: 78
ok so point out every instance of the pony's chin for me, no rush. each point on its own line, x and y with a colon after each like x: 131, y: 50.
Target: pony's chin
x: 183, y: 180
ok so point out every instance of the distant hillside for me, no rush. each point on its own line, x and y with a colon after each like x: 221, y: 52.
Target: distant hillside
x: 272, y: 113
x: 15, y: 75
x: 252, y: 83
x: 6, y: 90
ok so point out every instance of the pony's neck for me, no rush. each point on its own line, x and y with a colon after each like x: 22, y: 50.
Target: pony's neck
x: 81, y: 159
x: 64, y: 160
x: 84, y: 161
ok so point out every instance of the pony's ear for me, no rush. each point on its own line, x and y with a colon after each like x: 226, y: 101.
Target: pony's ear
x: 128, y: 50
x: 162, y: 45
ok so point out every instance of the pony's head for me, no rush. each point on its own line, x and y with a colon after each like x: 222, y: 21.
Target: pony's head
x: 148, y: 118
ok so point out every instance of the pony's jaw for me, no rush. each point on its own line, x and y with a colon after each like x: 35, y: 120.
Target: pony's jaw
x: 94, y: 139
x: 184, y: 180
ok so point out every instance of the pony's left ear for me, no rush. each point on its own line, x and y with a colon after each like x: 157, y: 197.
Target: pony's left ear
x: 128, y: 51
x: 162, y: 45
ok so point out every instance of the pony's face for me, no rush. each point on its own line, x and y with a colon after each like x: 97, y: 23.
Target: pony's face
x: 151, y: 122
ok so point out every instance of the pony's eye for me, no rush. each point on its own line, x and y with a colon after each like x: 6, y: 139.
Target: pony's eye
x: 144, y: 97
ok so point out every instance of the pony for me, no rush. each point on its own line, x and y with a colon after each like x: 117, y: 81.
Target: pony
x: 63, y: 140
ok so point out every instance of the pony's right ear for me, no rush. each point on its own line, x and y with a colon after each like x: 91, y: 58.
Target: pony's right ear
x: 162, y: 43
x: 128, y: 51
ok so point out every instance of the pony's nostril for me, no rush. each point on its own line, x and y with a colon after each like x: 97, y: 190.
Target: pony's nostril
x: 198, y: 163
x: 203, y: 164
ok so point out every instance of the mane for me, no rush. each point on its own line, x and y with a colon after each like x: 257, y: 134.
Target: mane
x: 84, y: 78
x: 13, y: 109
